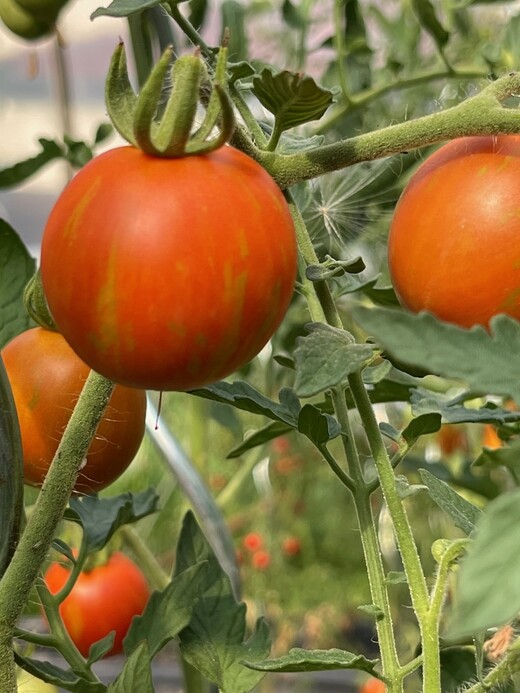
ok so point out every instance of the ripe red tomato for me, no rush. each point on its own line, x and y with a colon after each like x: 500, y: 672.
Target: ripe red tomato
x: 291, y: 546
x: 454, y: 244
x: 169, y: 274
x: 373, y: 685
x: 103, y: 600
x: 46, y: 377
x: 261, y: 559
x: 253, y: 541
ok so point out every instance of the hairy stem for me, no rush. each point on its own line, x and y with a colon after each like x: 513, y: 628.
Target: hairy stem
x: 48, y: 510
x: 482, y: 114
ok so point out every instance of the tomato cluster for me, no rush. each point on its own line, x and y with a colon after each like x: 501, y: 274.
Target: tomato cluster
x: 454, y: 243
x: 104, y: 599
x: 173, y: 275
x: 46, y: 378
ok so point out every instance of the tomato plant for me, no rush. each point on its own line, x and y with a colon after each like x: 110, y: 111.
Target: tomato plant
x: 46, y: 377
x: 102, y: 600
x: 454, y: 241
x: 173, y: 275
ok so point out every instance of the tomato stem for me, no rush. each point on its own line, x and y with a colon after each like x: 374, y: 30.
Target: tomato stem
x: 482, y: 114
x: 48, y: 510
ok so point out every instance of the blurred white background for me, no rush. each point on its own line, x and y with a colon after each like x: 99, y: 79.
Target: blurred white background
x: 29, y: 107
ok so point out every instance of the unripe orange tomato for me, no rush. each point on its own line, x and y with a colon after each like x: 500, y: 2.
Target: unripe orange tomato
x: 373, y: 685
x: 454, y: 243
x: 46, y: 378
x: 169, y: 274
x: 103, y: 600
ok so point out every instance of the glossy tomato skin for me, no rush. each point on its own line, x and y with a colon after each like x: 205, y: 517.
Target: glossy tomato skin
x: 103, y: 600
x: 454, y: 243
x: 46, y: 378
x: 169, y: 274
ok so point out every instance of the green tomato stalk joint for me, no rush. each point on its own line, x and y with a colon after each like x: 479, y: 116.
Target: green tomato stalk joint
x: 170, y: 134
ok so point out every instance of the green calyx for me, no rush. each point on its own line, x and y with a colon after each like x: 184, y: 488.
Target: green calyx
x: 166, y: 129
x: 36, y: 303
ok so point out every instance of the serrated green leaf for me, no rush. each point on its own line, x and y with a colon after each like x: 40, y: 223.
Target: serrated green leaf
x: 298, y: 659
x: 420, y: 426
x: 293, y: 99
x: 101, y: 517
x: 482, y: 359
x: 215, y: 641
x: 488, y: 589
x: 243, y: 396
x: 16, y: 268
x: 317, y: 426
x: 464, y: 514
x: 424, y: 401
x: 11, y: 473
x: 167, y: 612
x: 124, y: 8
x: 66, y: 679
x: 21, y: 171
x: 136, y: 674
x: 326, y: 357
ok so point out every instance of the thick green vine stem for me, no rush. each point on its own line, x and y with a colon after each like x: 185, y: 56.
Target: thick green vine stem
x: 48, y: 510
x: 164, y: 127
x: 482, y: 114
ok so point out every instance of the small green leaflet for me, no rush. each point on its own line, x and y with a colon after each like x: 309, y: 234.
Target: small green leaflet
x: 299, y: 659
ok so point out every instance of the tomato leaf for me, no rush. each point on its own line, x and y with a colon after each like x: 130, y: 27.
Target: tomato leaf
x: 326, y: 357
x: 317, y: 426
x: 167, y: 612
x: 420, y: 426
x: 11, y: 473
x: 66, y: 679
x: 100, y: 648
x: 16, y: 268
x: 292, y: 98
x: 488, y: 589
x: 19, y: 172
x: 482, y: 359
x: 136, y: 674
x: 424, y: 401
x: 124, y: 8
x: 298, y: 659
x: 243, y: 396
x: 464, y: 514
x: 101, y: 517
x: 215, y: 641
